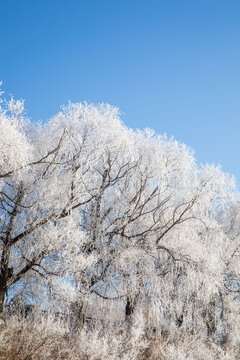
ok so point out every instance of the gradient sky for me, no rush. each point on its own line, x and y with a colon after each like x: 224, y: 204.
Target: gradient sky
x: 173, y: 66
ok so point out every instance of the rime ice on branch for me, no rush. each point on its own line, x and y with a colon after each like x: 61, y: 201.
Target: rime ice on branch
x: 90, y: 208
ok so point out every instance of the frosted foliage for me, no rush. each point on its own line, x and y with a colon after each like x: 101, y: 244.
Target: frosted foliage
x: 90, y: 209
x: 15, y: 147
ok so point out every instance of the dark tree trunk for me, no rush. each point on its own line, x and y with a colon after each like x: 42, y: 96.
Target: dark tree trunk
x: 5, y: 273
x: 210, y: 321
x: 129, y: 308
x: 179, y: 320
x: 77, y: 316
x: 3, y: 290
x: 129, y: 311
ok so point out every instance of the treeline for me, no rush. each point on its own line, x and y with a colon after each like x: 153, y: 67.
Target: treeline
x: 118, y: 225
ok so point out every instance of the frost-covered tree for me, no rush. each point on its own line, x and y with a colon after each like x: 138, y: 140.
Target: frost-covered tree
x: 90, y: 209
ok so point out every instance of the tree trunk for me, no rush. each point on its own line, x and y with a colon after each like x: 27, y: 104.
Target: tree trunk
x: 77, y: 317
x: 3, y: 290
x: 209, y: 318
x: 5, y: 274
x: 129, y: 311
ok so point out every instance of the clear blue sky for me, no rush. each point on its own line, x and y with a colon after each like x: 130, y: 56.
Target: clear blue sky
x: 170, y: 65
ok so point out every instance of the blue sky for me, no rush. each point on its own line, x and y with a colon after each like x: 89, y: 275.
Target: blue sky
x: 170, y: 65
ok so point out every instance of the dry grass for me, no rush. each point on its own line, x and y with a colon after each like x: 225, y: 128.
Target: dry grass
x: 44, y: 338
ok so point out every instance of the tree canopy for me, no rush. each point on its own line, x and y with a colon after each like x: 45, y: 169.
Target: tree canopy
x: 90, y: 209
